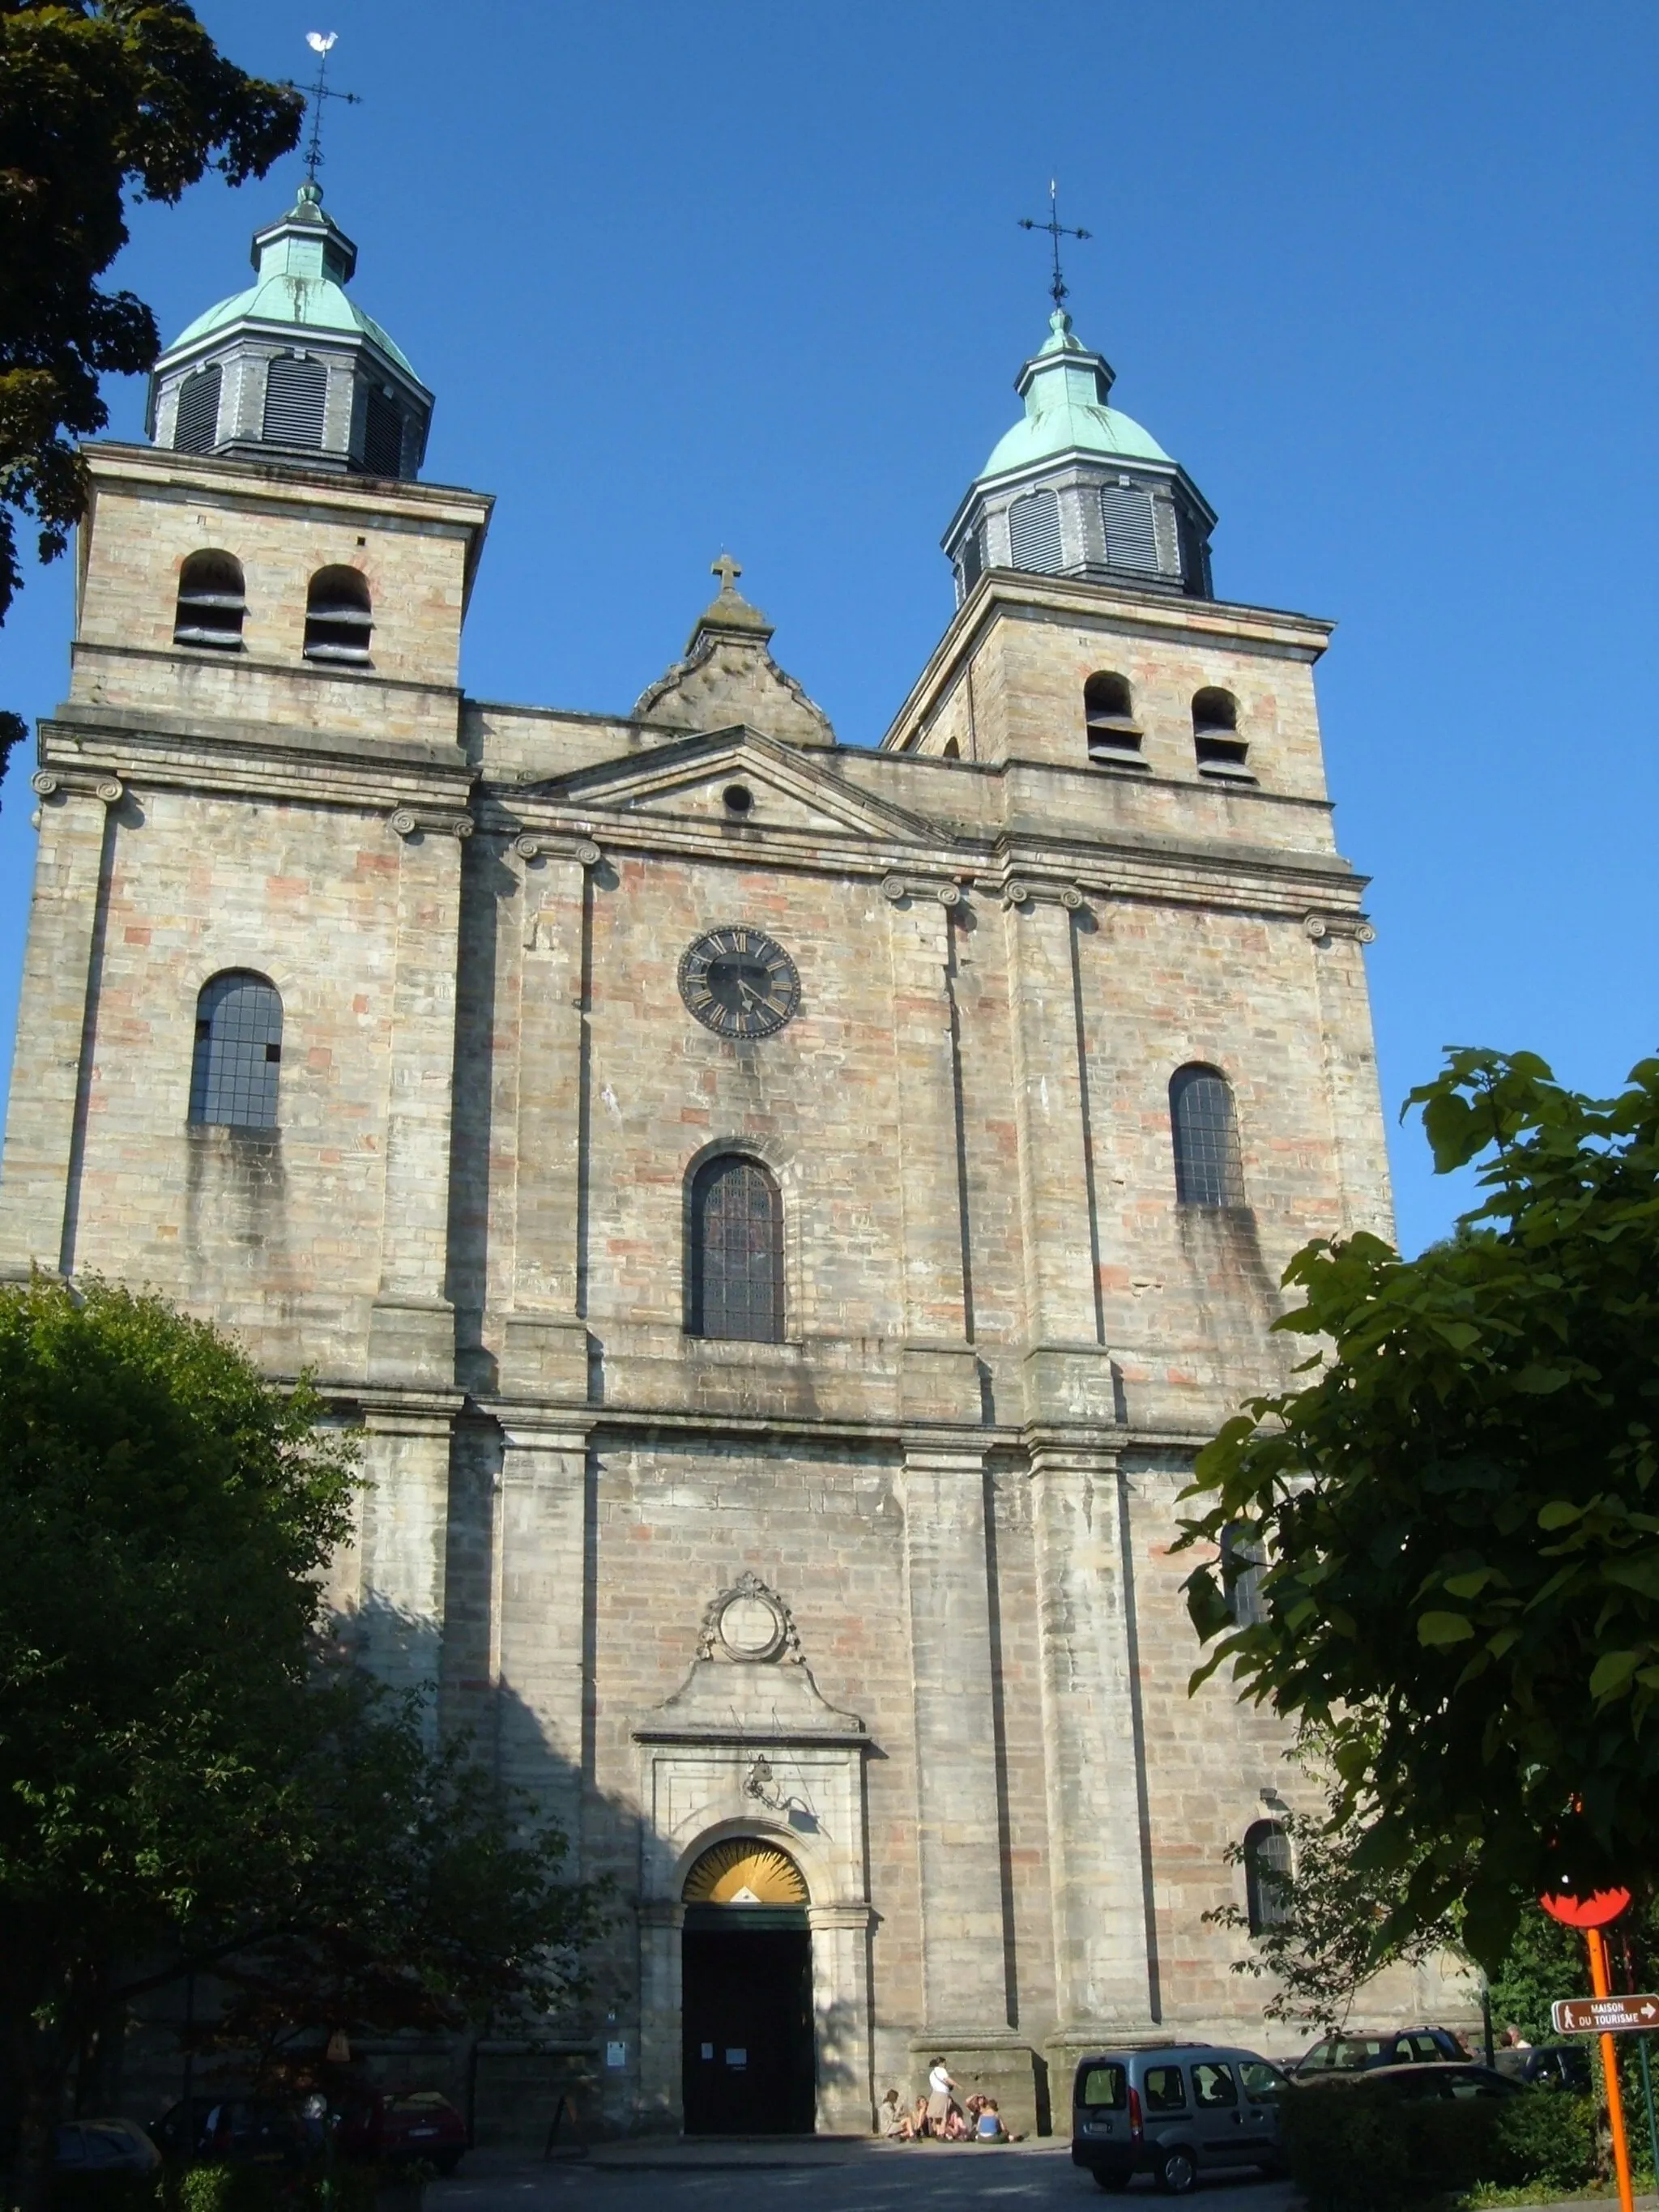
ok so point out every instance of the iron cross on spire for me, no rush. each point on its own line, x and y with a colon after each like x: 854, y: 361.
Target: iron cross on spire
x: 321, y: 44
x: 1056, y: 230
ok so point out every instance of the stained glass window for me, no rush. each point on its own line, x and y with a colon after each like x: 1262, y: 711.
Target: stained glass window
x: 239, y: 1051
x: 1206, y: 1163
x: 737, y: 1251
x: 1267, y: 1871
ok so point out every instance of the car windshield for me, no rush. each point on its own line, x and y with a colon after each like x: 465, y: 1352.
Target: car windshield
x: 418, y: 2101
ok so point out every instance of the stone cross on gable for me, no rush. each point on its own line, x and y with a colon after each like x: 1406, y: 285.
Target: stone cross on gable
x: 727, y: 570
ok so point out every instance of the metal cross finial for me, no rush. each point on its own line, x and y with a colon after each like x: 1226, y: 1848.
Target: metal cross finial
x: 321, y: 44
x: 1056, y: 230
x: 727, y: 570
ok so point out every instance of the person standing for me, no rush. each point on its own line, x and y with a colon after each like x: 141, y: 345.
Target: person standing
x: 940, y: 2090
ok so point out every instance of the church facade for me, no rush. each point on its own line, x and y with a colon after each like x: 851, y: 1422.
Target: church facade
x: 782, y: 1215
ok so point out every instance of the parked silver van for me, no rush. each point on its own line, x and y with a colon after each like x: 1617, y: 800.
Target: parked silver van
x: 1177, y: 2112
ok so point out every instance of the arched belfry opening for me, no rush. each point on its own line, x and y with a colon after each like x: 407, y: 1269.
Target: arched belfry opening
x: 746, y: 1984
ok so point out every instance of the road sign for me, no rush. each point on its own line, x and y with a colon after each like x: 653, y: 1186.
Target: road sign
x: 1604, y: 2015
x: 1593, y: 1912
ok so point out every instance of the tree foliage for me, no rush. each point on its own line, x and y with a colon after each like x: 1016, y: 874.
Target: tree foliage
x: 191, y: 1775
x: 98, y: 99
x: 164, y: 1515
x: 1324, y: 1940
x: 1459, y: 1509
x: 428, y: 1898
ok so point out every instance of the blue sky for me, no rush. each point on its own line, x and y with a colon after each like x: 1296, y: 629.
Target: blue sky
x: 685, y: 275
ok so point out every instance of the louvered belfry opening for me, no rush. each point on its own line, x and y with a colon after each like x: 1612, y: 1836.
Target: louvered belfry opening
x: 296, y: 397
x: 1208, y: 1171
x: 1126, y: 513
x: 196, y: 424
x: 736, y: 1251
x: 212, y: 602
x: 1220, y: 749
x: 383, y: 434
x: 1034, y: 532
x: 339, y: 618
x: 239, y: 1051
x: 1113, y: 735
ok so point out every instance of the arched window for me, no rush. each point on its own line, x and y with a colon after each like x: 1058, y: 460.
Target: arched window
x: 1242, y: 1567
x: 737, y: 1251
x: 239, y: 1051
x: 1221, y: 751
x: 1109, y: 720
x: 951, y: 749
x: 1034, y: 532
x: 296, y: 399
x: 1268, y: 1869
x: 339, y: 620
x: 1206, y: 1162
x: 212, y: 602
x: 196, y: 424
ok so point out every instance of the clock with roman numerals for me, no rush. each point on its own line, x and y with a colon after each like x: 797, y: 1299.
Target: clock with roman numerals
x: 738, y: 982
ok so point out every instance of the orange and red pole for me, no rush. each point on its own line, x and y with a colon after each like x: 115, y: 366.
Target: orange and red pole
x: 1601, y: 1985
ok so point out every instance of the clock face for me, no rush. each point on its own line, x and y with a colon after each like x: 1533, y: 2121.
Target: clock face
x: 739, y: 983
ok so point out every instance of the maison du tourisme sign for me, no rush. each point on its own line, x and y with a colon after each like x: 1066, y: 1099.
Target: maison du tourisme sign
x: 1604, y: 2015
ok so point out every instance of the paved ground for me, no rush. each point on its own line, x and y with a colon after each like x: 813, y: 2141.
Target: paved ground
x: 821, y: 2176
x: 826, y: 2175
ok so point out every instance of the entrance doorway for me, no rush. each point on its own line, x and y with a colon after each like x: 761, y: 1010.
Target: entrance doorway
x: 746, y: 1984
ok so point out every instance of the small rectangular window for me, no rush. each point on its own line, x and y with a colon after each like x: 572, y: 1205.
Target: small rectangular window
x: 1105, y: 2088
x: 1165, y: 2091
x: 1214, y: 2089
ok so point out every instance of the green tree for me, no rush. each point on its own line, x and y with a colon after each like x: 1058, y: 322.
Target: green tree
x: 1459, y: 1510
x: 193, y: 1776
x: 164, y: 1517
x: 1323, y: 1939
x: 428, y: 1898
x: 98, y: 97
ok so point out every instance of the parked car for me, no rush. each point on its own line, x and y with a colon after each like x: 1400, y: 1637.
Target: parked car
x: 1356, y: 2054
x: 1547, y: 2065
x: 1177, y: 2112
x: 399, y: 2123
x: 92, y: 2148
x: 1430, y: 2078
x: 239, y: 2129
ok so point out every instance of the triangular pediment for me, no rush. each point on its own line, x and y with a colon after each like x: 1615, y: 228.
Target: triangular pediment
x: 698, y: 778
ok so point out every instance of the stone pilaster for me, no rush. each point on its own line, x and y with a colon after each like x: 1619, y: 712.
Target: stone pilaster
x: 538, y: 1644
x: 543, y: 1337
x: 1098, y: 1871
x: 64, y: 923
x: 1360, y: 1141
x: 1067, y: 1372
x: 841, y: 2006
x: 412, y: 1326
x: 404, y: 1539
x: 940, y: 1378
x: 661, y: 2096
x: 958, y: 1827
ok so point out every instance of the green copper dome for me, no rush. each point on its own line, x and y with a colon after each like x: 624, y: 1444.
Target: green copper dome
x: 291, y: 372
x: 1065, y: 387
x: 1078, y: 489
x: 304, y: 262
